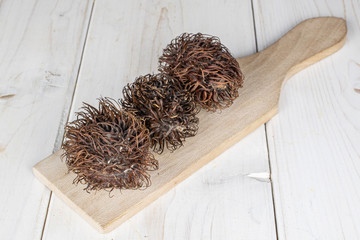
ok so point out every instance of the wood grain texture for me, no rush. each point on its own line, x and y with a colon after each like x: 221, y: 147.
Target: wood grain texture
x: 40, y: 44
x: 219, y: 202
x: 314, y: 141
x: 265, y: 71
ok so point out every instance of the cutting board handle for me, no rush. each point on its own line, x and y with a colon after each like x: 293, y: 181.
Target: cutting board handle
x: 307, y: 43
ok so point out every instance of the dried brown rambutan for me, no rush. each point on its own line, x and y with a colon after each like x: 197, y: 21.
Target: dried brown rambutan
x: 205, y: 67
x: 168, y: 111
x: 108, y: 148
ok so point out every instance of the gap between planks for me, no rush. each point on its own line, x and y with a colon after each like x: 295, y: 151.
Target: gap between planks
x: 60, y: 134
x: 265, y: 132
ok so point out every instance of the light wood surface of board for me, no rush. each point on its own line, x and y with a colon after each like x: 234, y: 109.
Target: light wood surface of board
x: 265, y: 72
x: 302, y: 165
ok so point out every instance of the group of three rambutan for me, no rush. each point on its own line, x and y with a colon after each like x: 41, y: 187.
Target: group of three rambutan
x: 110, y: 147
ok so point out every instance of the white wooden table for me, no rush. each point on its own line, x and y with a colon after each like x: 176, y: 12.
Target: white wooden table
x: 56, y: 54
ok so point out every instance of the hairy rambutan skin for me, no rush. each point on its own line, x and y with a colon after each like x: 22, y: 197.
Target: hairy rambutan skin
x: 205, y: 68
x: 167, y: 110
x: 108, y: 148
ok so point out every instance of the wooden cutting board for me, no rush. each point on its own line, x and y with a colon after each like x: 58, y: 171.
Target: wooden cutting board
x: 265, y: 72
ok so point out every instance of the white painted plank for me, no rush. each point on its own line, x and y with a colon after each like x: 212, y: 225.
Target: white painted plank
x: 220, y: 201
x: 314, y: 141
x: 40, y: 44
